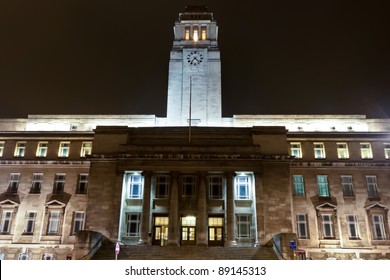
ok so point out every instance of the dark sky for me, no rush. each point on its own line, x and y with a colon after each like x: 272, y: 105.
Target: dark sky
x: 111, y: 57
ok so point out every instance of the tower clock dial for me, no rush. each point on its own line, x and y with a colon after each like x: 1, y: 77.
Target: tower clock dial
x: 194, y: 58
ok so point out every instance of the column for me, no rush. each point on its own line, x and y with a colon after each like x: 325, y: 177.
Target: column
x: 201, y: 222
x: 230, y: 215
x: 173, y: 226
x: 145, y: 215
x: 254, y: 205
x: 259, y: 204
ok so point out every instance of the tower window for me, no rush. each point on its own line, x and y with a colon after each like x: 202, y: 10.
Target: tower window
x: 195, y: 36
x: 187, y: 33
x: 204, y: 34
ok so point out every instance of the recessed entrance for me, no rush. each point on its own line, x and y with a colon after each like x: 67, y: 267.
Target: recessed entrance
x: 188, y: 230
x: 215, y: 231
x: 160, y: 230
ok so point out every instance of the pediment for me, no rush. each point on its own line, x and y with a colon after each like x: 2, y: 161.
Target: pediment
x: 379, y: 205
x: 59, y: 200
x: 7, y: 199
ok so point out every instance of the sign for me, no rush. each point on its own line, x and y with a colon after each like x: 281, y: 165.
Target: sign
x: 293, y: 245
x: 117, y: 248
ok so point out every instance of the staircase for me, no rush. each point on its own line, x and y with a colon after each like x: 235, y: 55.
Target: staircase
x: 107, y: 252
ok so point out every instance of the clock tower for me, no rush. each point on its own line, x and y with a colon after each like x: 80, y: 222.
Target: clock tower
x: 194, y: 82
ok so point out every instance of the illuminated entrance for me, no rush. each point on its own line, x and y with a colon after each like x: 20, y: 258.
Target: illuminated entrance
x: 215, y: 231
x: 160, y: 230
x: 188, y: 230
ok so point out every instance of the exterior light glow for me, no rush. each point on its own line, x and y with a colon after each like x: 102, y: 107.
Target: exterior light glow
x: 196, y: 37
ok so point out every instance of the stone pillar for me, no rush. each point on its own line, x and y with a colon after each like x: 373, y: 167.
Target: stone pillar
x: 145, y: 215
x: 259, y: 204
x: 173, y: 226
x: 230, y: 213
x: 201, y: 222
x: 254, y: 205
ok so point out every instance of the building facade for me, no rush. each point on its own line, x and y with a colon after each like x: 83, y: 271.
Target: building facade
x: 195, y: 178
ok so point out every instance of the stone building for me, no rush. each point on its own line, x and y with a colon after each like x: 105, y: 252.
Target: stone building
x: 195, y: 178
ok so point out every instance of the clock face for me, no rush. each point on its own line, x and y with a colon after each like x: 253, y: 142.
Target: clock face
x: 194, y: 58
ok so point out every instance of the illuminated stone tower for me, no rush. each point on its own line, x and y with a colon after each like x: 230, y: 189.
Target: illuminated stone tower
x: 194, y: 83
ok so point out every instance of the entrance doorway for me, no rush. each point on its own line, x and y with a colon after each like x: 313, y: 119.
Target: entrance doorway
x: 160, y: 230
x: 215, y: 231
x: 188, y: 230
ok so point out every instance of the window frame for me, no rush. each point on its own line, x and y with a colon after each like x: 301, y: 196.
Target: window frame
x: 53, y: 223
x: 342, y: 150
x: 347, y: 185
x: 2, y: 145
x: 327, y: 225
x: 386, y: 150
x: 64, y: 149
x: 42, y: 148
x: 243, y: 189
x: 82, y: 180
x: 301, y: 220
x: 59, y: 183
x: 296, y: 149
x: 299, y: 186
x: 20, y: 149
x: 323, y: 187
x: 135, y: 186
x: 189, y: 186
x: 162, y: 186
x: 29, y: 223
x: 86, y: 149
x: 36, y: 184
x: 6, y: 221
x: 319, y: 150
x: 13, y: 184
x: 366, y: 151
x: 372, y: 187
x: 215, y: 184
x: 243, y: 224
x: 352, y: 223
x: 133, y: 226
x: 78, y: 222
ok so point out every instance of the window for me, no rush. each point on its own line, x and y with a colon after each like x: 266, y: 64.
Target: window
x: 187, y: 33
x: 242, y: 187
x: 59, y: 183
x: 86, y: 149
x: 29, y: 223
x: 204, y: 35
x: 162, y: 186
x: 63, y: 151
x: 387, y: 150
x: 20, y: 149
x: 36, y: 183
x: 135, y: 186
x: 342, y: 151
x: 5, y: 224
x: 13, y: 183
x: 353, y: 227
x: 42, y: 149
x: 365, y: 150
x: 189, y: 186
x: 47, y: 256
x: 322, y: 184
x: 302, y: 226
x: 296, y: 149
x: 379, y: 227
x: 1, y: 148
x: 2, y: 256
x: 243, y: 226
x: 372, y: 187
x: 327, y: 225
x: 319, y: 150
x: 23, y: 256
x: 215, y: 187
x: 133, y: 222
x: 54, y: 223
x: 195, y: 36
x: 82, y: 184
x: 299, y: 186
x: 346, y: 182
x: 78, y: 222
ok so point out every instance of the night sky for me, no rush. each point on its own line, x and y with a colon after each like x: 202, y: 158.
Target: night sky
x: 111, y: 57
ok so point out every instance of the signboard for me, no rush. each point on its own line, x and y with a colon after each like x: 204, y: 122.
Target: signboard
x: 293, y: 245
x: 117, y: 248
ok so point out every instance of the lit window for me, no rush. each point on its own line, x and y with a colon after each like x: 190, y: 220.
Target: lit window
x: 162, y: 186
x: 29, y: 223
x: 63, y: 151
x: 133, y: 222
x: 327, y: 225
x: 346, y: 182
x: 387, y: 150
x: 78, y: 222
x: 59, y: 183
x: 215, y: 228
x: 353, y: 227
x: 299, y: 186
x: 319, y: 150
x: 86, y: 149
x: 296, y: 150
x: 365, y: 150
x: 36, y: 183
x: 372, y: 187
x: 5, y: 223
x: 82, y: 184
x: 54, y: 222
x: 13, y: 183
x: 322, y: 184
x: 20, y: 149
x: 378, y: 227
x: 187, y: 33
x: 342, y: 150
x: 42, y: 149
x: 1, y: 148
x: 135, y: 186
x: 204, y: 34
x: 242, y: 187
x: 189, y: 186
x: 243, y: 226
x: 215, y: 187
x: 195, y: 36
x: 302, y: 226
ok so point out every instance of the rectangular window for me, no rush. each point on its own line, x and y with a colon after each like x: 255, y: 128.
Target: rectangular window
x: 327, y: 225
x: 353, y: 227
x: 36, y: 183
x: 379, y: 227
x: 189, y: 186
x: 13, y: 183
x: 30, y: 222
x: 319, y: 150
x: 215, y: 187
x: 135, y: 186
x: 195, y: 35
x: 299, y: 186
x: 54, y: 222
x: 47, y: 256
x: 365, y: 150
x: 86, y: 149
x: 63, y: 151
x: 342, y: 151
x: 162, y: 186
x: 372, y: 187
x: 42, y: 149
x: 346, y: 182
x: 5, y: 224
x: 243, y: 226
x: 59, y: 183
x: 302, y: 226
x: 322, y: 184
x: 133, y: 222
x: 20, y: 149
x: 82, y: 184
x: 78, y: 222
x: 242, y: 187
x: 1, y: 148
x: 23, y: 257
x: 204, y: 34
x: 187, y: 33
x: 387, y: 150
x: 296, y: 149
